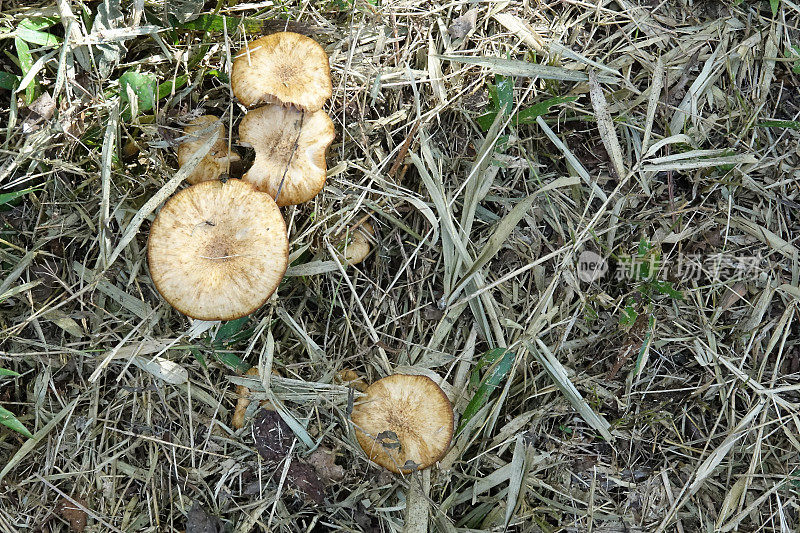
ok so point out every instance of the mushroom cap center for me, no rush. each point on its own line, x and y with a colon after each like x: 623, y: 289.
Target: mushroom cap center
x: 287, y: 72
x: 218, y: 250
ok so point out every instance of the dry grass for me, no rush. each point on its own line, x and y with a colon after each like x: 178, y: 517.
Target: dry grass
x: 626, y: 405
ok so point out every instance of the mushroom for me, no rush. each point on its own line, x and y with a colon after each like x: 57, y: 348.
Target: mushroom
x: 285, y: 68
x: 357, y: 246
x: 243, y: 400
x: 350, y: 378
x: 404, y: 422
x: 219, y: 157
x: 290, y: 151
x: 217, y: 251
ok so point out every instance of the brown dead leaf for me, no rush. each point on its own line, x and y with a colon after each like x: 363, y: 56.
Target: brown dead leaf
x: 463, y: 25
x: 41, y: 110
x: 733, y: 295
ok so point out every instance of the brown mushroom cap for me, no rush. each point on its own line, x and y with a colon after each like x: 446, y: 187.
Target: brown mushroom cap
x: 217, y: 251
x: 217, y: 160
x: 286, y: 68
x: 358, y: 245
x: 404, y: 422
x: 290, y: 147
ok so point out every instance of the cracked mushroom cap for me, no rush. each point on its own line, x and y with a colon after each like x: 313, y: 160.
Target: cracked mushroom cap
x: 217, y: 251
x: 285, y: 68
x: 290, y: 146
x: 217, y: 160
x: 404, y: 422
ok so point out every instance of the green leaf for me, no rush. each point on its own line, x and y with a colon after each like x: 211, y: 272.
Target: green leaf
x: 527, y: 115
x: 8, y: 81
x: 199, y: 356
x: 8, y: 419
x: 791, y: 124
x: 221, y: 76
x: 774, y: 5
x: 26, y: 63
x: 629, y: 316
x: 210, y: 22
x: 644, y: 350
x: 504, y: 93
x: 7, y: 372
x: 665, y: 287
x: 643, y: 248
x: 144, y: 86
x: 10, y: 196
x: 228, y: 331
x: 166, y: 88
x: 488, y: 358
x: 40, y: 23
x: 232, y: 361
x: 500, y: 361
x: 28, y: 31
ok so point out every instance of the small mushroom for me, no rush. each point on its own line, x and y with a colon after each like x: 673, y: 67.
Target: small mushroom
x: 243, y: 400
x: 357, y: 246
x: 218, y: 159
x: 217, y: 251
x: 290, y: 151
x: 350, y: 378
x: 285, y: 68
x: 404, y: 423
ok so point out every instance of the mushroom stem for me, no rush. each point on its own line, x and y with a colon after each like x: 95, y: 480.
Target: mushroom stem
x: 243, y: 401
x: 417, y: 502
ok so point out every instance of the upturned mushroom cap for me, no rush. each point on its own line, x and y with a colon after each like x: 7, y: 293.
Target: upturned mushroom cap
x: 217, y: 251
x: 290, y: 147
x: 404, y: 422
x: 217, y: 160
x: 285, y: 68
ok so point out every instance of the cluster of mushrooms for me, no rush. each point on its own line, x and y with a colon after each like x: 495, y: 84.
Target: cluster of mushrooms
x: 217, y: 250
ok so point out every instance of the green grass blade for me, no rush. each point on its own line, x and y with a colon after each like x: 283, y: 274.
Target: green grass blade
x: 501, y: 361
x: 210, y: 22
x: 26, y: 63
x: 8, y: 419
x: 28, y: 446
x: 29, y: 31
x: 11, y: 196
x: 790, y: 124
